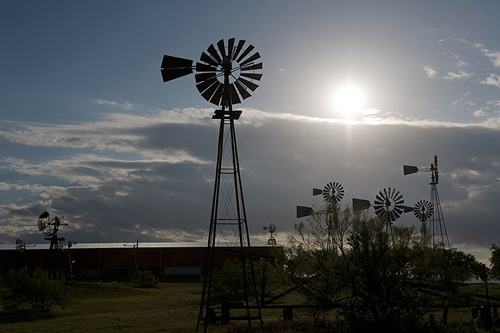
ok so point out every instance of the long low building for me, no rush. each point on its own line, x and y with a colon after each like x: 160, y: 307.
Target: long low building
x: 122, y: 260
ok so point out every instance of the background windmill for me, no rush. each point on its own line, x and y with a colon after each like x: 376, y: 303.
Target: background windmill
x: 225, y: 75
x: 333, y: 193
x: 437, y: 226
x: 272, y: 229
x: 423, y: 210
x: 50, y: 227
x: 388, y: 204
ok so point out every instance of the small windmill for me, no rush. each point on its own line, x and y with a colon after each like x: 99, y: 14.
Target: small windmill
x: 437, y: 226
x: 388, y: 204
x: 50, y: 227
x: 333, y: 193
x: 225, y: 75
x: 272, y: 229
x: 423, y: 210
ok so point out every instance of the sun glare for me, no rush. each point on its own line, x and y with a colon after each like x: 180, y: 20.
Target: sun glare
x: 348, y: 101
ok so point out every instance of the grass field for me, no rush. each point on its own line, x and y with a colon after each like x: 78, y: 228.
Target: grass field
x: 173, y: 307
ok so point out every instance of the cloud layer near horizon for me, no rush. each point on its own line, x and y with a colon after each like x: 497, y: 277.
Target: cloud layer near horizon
x: 151, y: 177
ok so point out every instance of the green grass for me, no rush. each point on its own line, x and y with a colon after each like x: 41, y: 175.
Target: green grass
x: 173, y: 307
x: 108, y: 307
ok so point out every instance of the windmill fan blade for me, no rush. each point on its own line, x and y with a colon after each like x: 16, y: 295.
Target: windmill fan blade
x: 204, y: 76
x: 398, y: 209
x: 207, y: 59
x: 204, y: 85
x: 253, y: 57
x: 205, y: 68
x: 213, y: 52
x: 242, y: 90
x: 338, y: 192
x: 252, y: 76
x: 394, y: 215
x: 207, y: 94
x: 235, y: 99
x: 230, y: 47
x: 251, y: 67
x: 222, y: 48
x: 44, y: 215
x: 247, y: 51
x: 217, y: 95
x: 380, y: 211
x: 238, y: 48
x: 252, y: 86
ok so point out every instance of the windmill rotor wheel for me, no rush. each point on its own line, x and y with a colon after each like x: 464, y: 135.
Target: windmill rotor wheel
x: 389, y: 202
x: 423, y: 210
x: 231, y: 60
x: 333, y: 191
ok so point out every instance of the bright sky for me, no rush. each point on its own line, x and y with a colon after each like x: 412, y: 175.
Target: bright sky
x: 89, y: 131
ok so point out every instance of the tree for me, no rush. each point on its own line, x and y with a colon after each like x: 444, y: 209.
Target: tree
x: 495, y: 261
x: 377, y: 280
x: 34, y: 291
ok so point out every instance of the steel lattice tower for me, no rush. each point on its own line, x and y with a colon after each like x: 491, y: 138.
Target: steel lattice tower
x: 437, y: 227
x: 225, y: 74
x: 438, y: 235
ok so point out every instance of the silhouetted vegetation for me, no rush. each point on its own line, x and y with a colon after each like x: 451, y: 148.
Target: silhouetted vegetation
x: 360, y: 277
x: 495, y: 261
x: 32, y: 294
x: 228, y: 283
x: 145, y: 279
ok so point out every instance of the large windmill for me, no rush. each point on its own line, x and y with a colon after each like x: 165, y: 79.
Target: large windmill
x: 225, y: 75
x: 437, y: 227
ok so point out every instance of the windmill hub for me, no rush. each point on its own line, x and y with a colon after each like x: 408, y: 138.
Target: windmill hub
x: 227, y: 65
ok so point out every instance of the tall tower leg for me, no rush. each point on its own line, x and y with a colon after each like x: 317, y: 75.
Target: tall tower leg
x: 228, y: 225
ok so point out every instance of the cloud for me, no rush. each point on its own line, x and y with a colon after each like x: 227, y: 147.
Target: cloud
x: 157, y: 185
x: 125, y: 105
x: 479, y: 113
x: 492, y: 80
x: 494, y: 56
x: 457, y: 75
x: 429, y: 72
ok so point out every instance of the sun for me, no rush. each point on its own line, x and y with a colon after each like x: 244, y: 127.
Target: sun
x: 349, y: 101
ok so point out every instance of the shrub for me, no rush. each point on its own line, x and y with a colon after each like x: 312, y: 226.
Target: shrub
x: 145, y: 279
x: 33, y: 291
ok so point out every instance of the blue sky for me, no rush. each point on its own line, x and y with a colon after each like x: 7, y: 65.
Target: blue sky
x: 89, y: 131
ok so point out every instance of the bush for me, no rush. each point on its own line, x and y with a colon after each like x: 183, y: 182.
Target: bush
x: 145, y: 279
x: 34, y: 291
